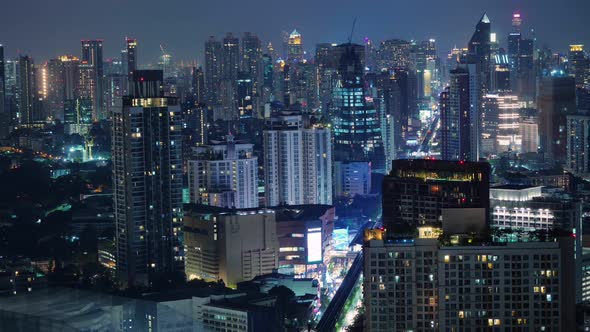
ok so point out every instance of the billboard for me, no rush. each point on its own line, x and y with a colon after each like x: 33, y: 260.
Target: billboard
x: 314, y: 245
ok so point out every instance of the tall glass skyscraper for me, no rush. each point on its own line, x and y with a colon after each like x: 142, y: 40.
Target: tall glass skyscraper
x: 356, y: 121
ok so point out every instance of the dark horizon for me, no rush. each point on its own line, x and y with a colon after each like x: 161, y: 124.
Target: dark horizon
x: 61, y: 24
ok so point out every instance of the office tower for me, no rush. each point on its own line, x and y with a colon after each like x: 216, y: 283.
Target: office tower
x: 295, y: 47
x: 212, y: 70
x: 54, y: 76
x: 147, y: 181
x: 251, y: 60
x: 394, y: 53
x: 415, y: 192
x: 356, y: 122
x: 460, y: 122
x: 578, y: 64
x: 230, y: 57
x: 198, y: 84
x: 425, y: 284
x: 27, y: 101
x: 245, y: 96
x: 224, y: 175
x: 267, y: 76
x: 297, y: 162
x: 501, y: 74
x: 529, y: 131
x: 4, y: 109
x: 230, y: 60
x: 501, y: 121
x: 131, y: 64
x: 305, y: 239
x: 578, y: 144
x: 11, y: 87
x: 229, y: 245
x: 92, y: 56
x: 479, y: 49
x: 526, y: 77
x: 302, y: 93
x: 352, y: 178
x: 556, y: 100
x: 71, y: 76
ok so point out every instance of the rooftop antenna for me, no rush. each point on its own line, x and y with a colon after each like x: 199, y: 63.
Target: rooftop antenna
x: 352, y: 31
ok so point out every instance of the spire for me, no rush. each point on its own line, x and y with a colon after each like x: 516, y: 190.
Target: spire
x: 485, y: 18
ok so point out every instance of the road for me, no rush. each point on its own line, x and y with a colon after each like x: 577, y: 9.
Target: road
x: 328, y: 321
x: 334, y: 310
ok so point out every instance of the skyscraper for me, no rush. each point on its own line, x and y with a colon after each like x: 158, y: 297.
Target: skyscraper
x: 28, y: 110
x: 578, y: 144
x: 578, y: 64
x: 212, y: 70
x: 295, y: 47
x: 459, y: 116
x: 92, y: 55
x: 230, y: 61
x: 556, y: 100
x: 355, y: 119
x: 479, y: 48
x: 4, y: 110
x: 131, y: 57
x: 147, y: 181
x: 297, y: 162
x: 251, y: 60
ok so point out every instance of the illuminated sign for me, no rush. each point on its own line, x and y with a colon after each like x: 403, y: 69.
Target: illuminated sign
x: 314, y: 245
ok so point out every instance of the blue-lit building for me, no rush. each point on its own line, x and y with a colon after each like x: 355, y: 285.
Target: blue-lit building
x: 356, y: 121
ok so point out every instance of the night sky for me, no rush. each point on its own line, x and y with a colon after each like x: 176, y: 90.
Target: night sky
x: 47, y: 28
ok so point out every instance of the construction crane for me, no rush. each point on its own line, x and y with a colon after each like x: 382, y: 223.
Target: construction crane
x: 352, y: 31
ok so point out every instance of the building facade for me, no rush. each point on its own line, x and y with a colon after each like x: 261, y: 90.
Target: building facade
x: 147, y: 181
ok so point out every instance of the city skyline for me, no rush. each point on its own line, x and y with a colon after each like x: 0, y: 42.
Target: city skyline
x: 184, y: 32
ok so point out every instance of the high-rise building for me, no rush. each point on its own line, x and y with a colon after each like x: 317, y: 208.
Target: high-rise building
x: 578, y: 64
x: 425, y: 284
x: 28, y: 108
x: 92, y: 55
x: 578, y: 144
x: 224, y: 175
x: 251, y: 60
x: 415, y: 192
x: 295, y: 47
x: 131, y: 64
x: 460, y: 122
x: 394, y: 53
x: 198, y: 85
x: 245, y: 96
x: 479, y: 49
x: 556, y: 100
x: 502, y: 122
x: 526, y: 210
x: 297, y: 162
x: 355, y: 119
x: 302, y: 92
x: 147, y: 181
x: 212, y: 70
x: 4, y: 109
x: 229, y: 245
